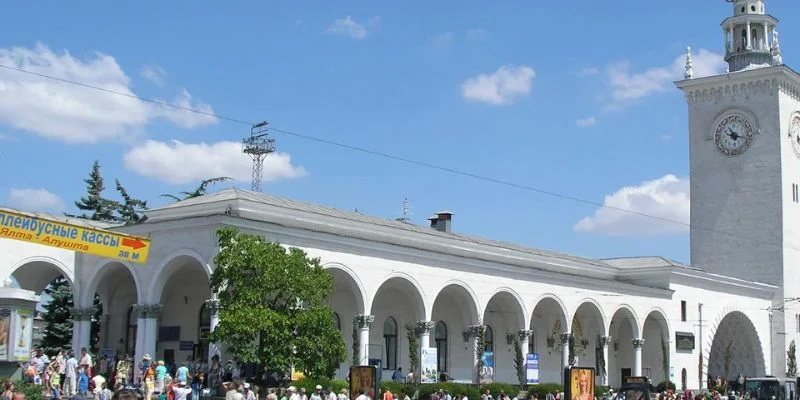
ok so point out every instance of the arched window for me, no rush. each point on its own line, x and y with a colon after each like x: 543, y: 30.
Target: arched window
x: 337, y: 322
x: 440, y: 336
x: 754, y: 39
x: 684, y: 379
x: 203, y: 331
x: 390, y: 343
x: 532, y: 343
x: 488, y: 339
x: 130, y: 331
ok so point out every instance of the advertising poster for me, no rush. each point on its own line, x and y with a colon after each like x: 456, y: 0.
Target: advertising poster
x: 487, y: 368
x: 5, y: 332
x: 579, y: 384
x: 363, y: 380
x: 23, y: 334
x: 532, y: 368
x: 429, y: 365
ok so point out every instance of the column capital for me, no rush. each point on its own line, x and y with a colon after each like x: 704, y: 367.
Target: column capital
x: 148, y: 311
x: 638, y: 343
x: 213, y: 305
x: 604, y: 341
x: 82, y: 314
x: 565, y: 337
x: 524, y: 334
x: 475, y: 329
x: 424, y: 327
x: 363, y: 321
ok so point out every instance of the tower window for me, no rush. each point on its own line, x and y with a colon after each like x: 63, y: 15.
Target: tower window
x: 683, y: 310
x: 795, y: 193
x: 753, y: 8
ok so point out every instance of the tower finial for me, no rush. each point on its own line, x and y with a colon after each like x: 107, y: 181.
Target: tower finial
x: 777, y: 59
x: 688, y: 72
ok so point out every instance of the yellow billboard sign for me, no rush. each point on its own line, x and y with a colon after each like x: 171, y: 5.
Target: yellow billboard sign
x: 67, y: 236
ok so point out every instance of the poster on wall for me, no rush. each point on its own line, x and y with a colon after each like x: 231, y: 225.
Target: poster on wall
x: 429, y: 365
x: 487, y: 367
x: 579, y: 383
x: 5, y: 332
x: 363, y: 380
x: 532, y: 368
x: 23, y: 334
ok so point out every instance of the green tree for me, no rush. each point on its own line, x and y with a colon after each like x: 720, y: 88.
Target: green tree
x: 519, y: 363
x: 413, y: 350
x: 57, y: 316
x: 272, y: 306
x: 200, y: 190
x: 95, y: 207
x: 94, y: 338
x: 130, y: 209
x: 791, y: 360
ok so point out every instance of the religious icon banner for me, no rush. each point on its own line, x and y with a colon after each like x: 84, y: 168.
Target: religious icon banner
x: 23, y: 335
x: 5, y: 332
x: 428, y: 362
x: 363, y: 381
x: 579, y: 383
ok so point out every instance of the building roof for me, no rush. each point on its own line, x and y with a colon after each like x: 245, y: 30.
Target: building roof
x: 230, y: 199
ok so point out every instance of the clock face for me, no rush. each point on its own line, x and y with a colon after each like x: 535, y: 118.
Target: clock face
x: 794, y: 133
x: 733, y: 135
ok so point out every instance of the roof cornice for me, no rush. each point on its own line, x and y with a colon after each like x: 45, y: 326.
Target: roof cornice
x: 759, y: 80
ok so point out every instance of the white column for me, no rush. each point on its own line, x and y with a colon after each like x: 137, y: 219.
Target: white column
x: 604, y: 342
x: 86, y: 333
x: 473, y: 333
x: 363, y: 323
x: 565, y: 349
x: 637, y: 356
x: 524, y: 340
x: 733, y: 38
x: 424, y: 329
x: 213, y: 307
x: 749, y: 37
x: 152, y: 314
x: 141, y: 333
x: 765, y: 41
x: 76, y: 330
x: 81, y: 328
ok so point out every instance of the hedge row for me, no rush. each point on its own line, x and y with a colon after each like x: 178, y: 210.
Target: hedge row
x: 425, y: 390
x: 32, y: 392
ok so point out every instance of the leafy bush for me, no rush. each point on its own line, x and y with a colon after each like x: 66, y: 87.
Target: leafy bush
x: 664, y: 386
x: 32, y: 392
x: 543, y: 389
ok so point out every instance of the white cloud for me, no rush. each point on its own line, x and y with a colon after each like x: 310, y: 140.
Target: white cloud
x: 663, y: 199
x: 35, y: 200
x: 628, y: 86
x: 73, y: 113
x: 186, y: 120
x: 504, y: 86
x: 154, y: 74
x: 443, y: 39
x: 347, y: 26
x: 586, y: 122
x: 176, y: 162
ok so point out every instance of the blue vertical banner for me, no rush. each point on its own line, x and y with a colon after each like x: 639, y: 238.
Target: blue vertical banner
x: 487, y: 370
x: 532, y: 368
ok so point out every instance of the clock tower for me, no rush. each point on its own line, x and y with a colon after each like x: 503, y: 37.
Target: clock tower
x: 745, y: 167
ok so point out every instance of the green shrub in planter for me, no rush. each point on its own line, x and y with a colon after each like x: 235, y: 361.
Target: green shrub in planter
x: 32, y: 392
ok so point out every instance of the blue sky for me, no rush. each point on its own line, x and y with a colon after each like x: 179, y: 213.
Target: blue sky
x: 572, y: 97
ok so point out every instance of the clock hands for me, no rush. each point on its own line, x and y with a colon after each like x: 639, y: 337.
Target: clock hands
x: 733, y: 135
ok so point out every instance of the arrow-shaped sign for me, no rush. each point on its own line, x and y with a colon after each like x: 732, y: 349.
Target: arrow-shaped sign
x: 133, y: 243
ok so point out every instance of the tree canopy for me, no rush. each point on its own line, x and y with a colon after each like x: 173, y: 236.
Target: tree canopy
x: 272, y: 306
x: 96, y: 207
x: 200, y: 190
x: 57, y: 315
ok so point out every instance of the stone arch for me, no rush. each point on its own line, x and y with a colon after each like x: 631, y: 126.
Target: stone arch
x: 591, y: 306
x: 625, y: 312
x: 509, y: 299
x: 656, y: 347
x: 406, y: 282
x: 103, y: 269
x: 169, y: 266
x: 345, y: 277
x: 36, y: 272
x: 462, y: 288
x: 735, y: 337
x: 549, y: 320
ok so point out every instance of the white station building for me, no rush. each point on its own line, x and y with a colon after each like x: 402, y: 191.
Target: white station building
x: 626, y: 316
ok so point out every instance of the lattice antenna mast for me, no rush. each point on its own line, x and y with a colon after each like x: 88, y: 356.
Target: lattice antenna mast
x: 258, y: 146
x: 406, y: 212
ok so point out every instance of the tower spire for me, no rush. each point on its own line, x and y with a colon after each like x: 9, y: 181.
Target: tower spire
x: 747, y: 36
x: 688, y: 69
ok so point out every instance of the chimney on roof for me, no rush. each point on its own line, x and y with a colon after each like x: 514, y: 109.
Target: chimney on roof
x: 442, y: 221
